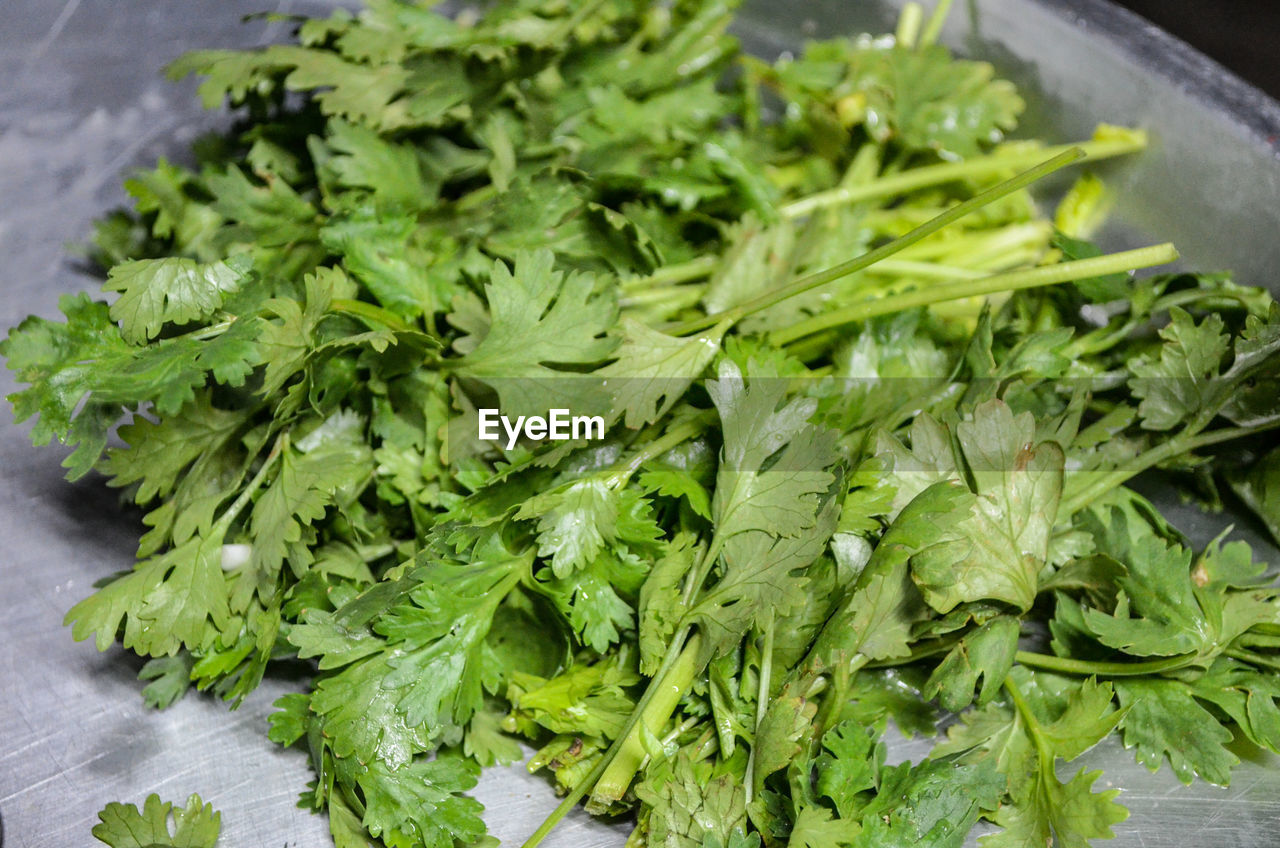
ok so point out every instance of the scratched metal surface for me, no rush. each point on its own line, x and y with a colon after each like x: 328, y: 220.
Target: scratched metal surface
x: 82, y: 101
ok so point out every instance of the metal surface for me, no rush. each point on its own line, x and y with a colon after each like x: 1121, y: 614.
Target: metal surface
x: 82, y: 101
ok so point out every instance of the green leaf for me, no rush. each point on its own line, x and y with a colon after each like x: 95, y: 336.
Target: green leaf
x: 1180, y: 384
x: 1068, y: 815
x: 1258, y: 485
x: 757, y: 259
x: 689, y: 807
x: 986, y: 652
x: 1165, y: 720
x: 584, y: 700
x: 787, y: 719
x: 390, y: 171
x: 422, y: 803
x: 270, y: 215
x: 654, y: 370
x: 306, y: 485
x: 661, y: 607
x: 170, y: 679
x: 158, y: 452
x: 382, y: 252
x: 998, y: 550
x: 539, y: 317
x: 875, y: 618
x: 172, y: 601
x: 159, y: 825
x: 934, y: 803
x: 678, y: 483
x: 487, y: 744
x: 574, y: 523
x: 850, y: 768
x: 781, y: 498
x: 763, y: 576
x: 173, y: 290
x: 815, y: 827
x: 1089, y: 716
x: 1167, y: 608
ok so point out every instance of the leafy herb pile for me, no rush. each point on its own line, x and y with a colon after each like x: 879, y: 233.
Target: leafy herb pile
x: 840, y: 485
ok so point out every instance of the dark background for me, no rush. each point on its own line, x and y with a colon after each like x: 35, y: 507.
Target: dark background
x: 1244, y: 35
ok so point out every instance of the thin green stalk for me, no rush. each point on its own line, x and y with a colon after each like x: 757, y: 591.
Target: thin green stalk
x: 1253, y: 658
x: 928, y: 270
x: 1033, y: 725
x: 680, y: 729
x: 920, y: 652
x: 1108, y: 480
x: 674, y: 437
x: 762, y: 700
x: 210, y: 332
x: 1104, y: 338
x: 241, y: 501
x: 976, y: 168
x: 680, y: 272
x: 909, y: 25
x: 616, y: 778
x: 369, y: 312
x: 934, y: 27
x: 844, y: 269
x: 670, y: 299
x: 674, y: 652
x: 1063, y: 665
x: 998, y: 283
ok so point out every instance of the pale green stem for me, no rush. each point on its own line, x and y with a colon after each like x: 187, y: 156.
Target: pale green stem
x: 979, y: 167
x: 614, y: 780
x: 1108, y: 480
x: 369, y: 312
x: 762, y: 701
x: 681, y: 272
x: 585, y: 785
x: 1063, y: 665
x: 1029, y: 278
x: 934, y: 27
x: 909, y: 25
x: 870, y: 258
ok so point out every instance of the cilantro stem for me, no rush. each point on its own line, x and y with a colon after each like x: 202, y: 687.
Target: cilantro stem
x: 997, y: 283
x: 673, y: 299
x: 762, y: 701
x: 669, y: 661
x: 1033, y: 725
x: 933, y: 28
x: 669, y: 689
x: 1108, y: 480
x: 211, y: 331
x: 369, y: 312
x: 1104, y: 338
x: 975, y: 168
x: 920, y: 652
x: 1252, y: 658
x: 871, y: 257
x: 1064, y: 665
x: 674, y: 437
x: 242, y: 500
x: 680, y: 272
x: 909, y: 25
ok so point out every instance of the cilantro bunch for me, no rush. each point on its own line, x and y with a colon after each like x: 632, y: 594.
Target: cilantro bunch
x: 870, y: 423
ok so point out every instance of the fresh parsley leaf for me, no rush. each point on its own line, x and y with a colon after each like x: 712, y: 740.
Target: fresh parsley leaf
x: 159, y: 824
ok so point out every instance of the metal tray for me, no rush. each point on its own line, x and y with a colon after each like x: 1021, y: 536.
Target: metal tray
x: 83, y: 102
